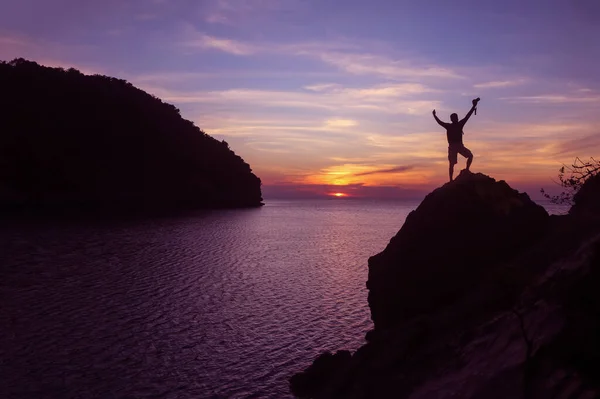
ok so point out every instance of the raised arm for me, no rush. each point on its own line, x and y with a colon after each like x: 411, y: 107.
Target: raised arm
x: 443, y: 124
x: 466, y: 118
x: 473, y: 109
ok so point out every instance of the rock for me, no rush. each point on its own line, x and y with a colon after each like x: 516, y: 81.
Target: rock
x: 548, y: 346
x: 456, y: 236
x: 586, y: 202
x: 521, y: 323
x: 313, y: 380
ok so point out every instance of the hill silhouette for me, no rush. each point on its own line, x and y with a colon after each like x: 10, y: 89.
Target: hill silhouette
x: 480, y: 295
x: 75, y: 141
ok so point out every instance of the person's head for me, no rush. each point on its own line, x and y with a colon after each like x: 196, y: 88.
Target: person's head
x: 454, y: 118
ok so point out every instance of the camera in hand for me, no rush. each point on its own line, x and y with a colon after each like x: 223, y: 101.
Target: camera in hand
x: 475, y: 101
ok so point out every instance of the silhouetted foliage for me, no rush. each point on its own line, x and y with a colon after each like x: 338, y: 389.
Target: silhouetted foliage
x: 572, y: 178
x: 68, y: 138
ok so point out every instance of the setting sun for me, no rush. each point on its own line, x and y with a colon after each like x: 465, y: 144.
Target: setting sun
x: 340, y: 195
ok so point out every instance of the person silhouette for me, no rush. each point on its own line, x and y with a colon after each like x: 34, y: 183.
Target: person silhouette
x: 454, y: 133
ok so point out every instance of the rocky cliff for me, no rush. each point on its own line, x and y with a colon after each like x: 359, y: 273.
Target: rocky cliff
x: 75, y: 141
x: 457, y: 236
x: 481, y: 294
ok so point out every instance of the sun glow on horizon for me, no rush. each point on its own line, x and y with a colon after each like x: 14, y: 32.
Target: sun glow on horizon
x: 339, y: 195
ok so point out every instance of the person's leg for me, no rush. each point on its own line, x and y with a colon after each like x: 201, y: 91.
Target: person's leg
x: 452, y: 159
x: 465, y: 152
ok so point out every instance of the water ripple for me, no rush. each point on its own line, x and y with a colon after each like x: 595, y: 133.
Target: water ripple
x: 223, y: 304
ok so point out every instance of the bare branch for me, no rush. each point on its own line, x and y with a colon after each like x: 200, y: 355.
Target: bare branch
x: 572, y: 178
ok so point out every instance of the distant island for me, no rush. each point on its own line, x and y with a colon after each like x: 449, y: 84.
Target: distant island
x: 71, y: 141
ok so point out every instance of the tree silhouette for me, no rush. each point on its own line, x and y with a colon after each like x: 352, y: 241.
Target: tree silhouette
x: 571, y: 178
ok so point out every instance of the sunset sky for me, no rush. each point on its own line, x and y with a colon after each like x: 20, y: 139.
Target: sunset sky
x: 331, y: 96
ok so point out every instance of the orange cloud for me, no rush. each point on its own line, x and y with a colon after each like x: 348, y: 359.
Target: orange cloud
x: 368, y: 175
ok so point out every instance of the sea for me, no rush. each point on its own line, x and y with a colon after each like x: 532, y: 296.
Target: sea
x: 212, y: 304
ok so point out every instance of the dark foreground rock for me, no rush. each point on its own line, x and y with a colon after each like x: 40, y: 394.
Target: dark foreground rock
x: 457, y: 235
x: 74, y: 142
x: 587, y: 199
x: 320, y: 374
x: 510, y: 311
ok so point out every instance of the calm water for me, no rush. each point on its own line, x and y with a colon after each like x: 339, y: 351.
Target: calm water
x: 225, y: 304
x: 220, y: 304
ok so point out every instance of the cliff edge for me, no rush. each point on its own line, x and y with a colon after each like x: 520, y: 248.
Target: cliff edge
x: 457, y: 236
x: 74, y: 141
x: 480, y: 295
